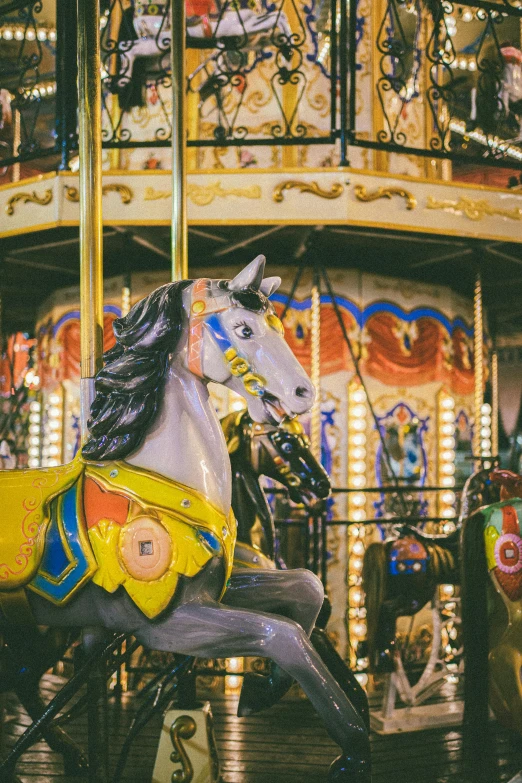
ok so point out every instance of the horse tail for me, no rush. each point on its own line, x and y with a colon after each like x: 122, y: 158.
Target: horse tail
x: 475, y: 633
x: 374, y: 581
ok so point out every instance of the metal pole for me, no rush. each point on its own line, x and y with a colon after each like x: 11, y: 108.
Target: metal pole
x: 315, y: 369
x: 343, y: 79
x: 91, y: 229
x: 179, y: 242
x: 66, y: 78
x: 494, y: 404
x: 478, y: 355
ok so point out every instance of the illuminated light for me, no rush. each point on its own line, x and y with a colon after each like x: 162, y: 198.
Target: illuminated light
x: 33, y: 463
x: 34, y: 429
x: 54, y: 451
x: 42, y: 35
x: 8, y: 35
x: 358, y: 515
x: 359, y: 467
x: 359, y: 452
x: 34, y: 406
x: 472, y: 65
x: 34, y: 441
x: 359, y: 411
x: 448, y: 456
x: 359, y: 439
x: 359, y: 395
x: 359, y: 629
x: 238, y: 405
x: 447, y: 429
x: 53, y: 463
x: 357, y: 564
x: 486, y: 408
x: 362, y: 679
x: 485, y: 420
x: 34, y: 451
x: 30, y: 34
x: 447, y: 416
x: 467, y: 15
x: 485, y: 444
x: 485, y: 432
x: 54, y: 399
x: 448, y: 498
x: 358, y: 424
x: 34, y: 418
x: 448, y: 443
x: 463, y: 63
x: 448, y: 481
x: 358, y: 499
x: 358, y: 548
x: 36, y: 380
x: 356, y: 595
x: 19, y: 35
x: 448, y: 469
x: 358, y: 482
x: 54, y: 424
x: 29, y: 376
x: 234, y: 665
x: 449, y: 527
x: 233, y: 681
x: 449, y: 511
x: 447, y: 590
x: 55, y: 413
x: 52, y: 35
x: 54, y: 437
x: 448, y: 403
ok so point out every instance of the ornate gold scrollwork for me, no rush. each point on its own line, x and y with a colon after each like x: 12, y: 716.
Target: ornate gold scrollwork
x: 203, y: 195
x: 73, y: 194
x: 306, y: 187
x: 183, y: 728
x: 361, y: 194
x: 474, y: 209
x: 28, y: 198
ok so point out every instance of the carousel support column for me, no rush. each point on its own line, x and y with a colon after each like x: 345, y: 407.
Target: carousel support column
x: 66, y: 77
x: 494, y: 404
x: 17, y: 139
x: 315, y: 422
x: 179, y: 241
x: 91, y: 229
x: 478, y: 355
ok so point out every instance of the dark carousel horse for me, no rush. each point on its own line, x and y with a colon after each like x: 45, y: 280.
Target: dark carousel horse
x: 283, y: 454
x: 400, y: 574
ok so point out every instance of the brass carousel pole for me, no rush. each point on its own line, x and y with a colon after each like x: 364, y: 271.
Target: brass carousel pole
x: 91, y: 229
x: 494, y: 403
x: 179, y: 242
x: 478, y: 355
x: 315, y: 368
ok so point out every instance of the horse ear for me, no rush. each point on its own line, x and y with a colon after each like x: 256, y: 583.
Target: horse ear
x: 269, y: 285
x: 249, y: 277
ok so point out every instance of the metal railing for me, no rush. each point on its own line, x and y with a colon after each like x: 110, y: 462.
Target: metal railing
x: 437, y: 80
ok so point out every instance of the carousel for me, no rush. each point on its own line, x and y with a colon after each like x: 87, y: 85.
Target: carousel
x: 260, y: 402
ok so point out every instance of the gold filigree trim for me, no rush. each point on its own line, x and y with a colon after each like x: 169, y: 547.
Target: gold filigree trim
x: 202, y: 195
x: 73, y: 194
x: 361, y: 194
x: 474, y: 209
x: 306, y: 187
x: 183, y: 728
x: 28, y: 198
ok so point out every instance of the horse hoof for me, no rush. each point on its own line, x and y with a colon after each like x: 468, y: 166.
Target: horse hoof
x: 346, y: 769
x: 256, y: 695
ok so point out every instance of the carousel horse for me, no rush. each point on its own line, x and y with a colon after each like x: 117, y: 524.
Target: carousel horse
x: 400, y: 574
x: 492, y: 612
x: 283, y: 454
x: 136, y: 535
x: 144, y: 37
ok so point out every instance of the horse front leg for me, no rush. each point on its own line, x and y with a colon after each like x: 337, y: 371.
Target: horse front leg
x: 208, y: 629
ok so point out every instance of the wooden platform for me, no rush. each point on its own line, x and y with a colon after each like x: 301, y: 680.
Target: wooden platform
x: 286, y: 744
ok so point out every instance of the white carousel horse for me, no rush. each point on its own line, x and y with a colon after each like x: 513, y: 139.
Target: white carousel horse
x: 252, y: 30
x: 145, y: 509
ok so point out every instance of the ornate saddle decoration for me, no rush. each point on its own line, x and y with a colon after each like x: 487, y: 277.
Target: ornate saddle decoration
x: 504, y: 547
x: 109, y: 522
x: 408, y: 556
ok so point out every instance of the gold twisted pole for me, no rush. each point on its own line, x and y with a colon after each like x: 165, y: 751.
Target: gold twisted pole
x: 478, y: 355
x: 315, y: 424
x: 91, y: 246
x: 179, y: 236
x: 494, y: 404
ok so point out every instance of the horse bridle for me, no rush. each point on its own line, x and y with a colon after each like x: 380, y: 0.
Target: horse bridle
x: 261, y: 433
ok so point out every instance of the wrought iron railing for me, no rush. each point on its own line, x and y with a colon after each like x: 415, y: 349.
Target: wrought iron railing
x: 424, y: 78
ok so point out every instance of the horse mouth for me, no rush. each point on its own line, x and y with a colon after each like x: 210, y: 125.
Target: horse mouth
x: 273, y: 409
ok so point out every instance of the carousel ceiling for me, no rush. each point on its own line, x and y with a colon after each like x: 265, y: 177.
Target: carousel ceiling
x: 33, y: 266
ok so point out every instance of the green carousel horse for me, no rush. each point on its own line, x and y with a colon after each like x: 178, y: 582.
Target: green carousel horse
x: 137, y: 535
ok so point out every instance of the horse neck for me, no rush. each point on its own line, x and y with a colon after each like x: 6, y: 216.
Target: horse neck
x: 186, y: 443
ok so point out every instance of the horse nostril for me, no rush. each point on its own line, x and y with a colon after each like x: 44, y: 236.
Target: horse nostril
x: 302, y: 391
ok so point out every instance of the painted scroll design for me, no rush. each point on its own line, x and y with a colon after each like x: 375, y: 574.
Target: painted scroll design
x: 28, y: 198
x: 474, y: 209
x: 73, y: 194
x: 306, y: 187
x: 362, y: 194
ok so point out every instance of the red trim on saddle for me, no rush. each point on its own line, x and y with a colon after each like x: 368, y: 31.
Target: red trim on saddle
x: 510, y: 521
x: 99, y: 504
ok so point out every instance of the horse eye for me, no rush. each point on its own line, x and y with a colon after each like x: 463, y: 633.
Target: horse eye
x: 287, y: 447
x: 244, y: 331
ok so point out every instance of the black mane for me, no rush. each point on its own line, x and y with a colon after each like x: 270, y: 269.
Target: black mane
x: 130, y: 385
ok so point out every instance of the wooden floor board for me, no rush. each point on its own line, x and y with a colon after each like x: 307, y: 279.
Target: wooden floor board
x: 286, y: 744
